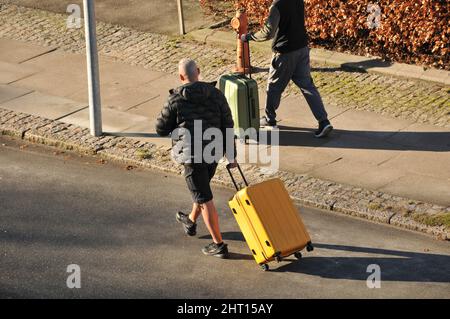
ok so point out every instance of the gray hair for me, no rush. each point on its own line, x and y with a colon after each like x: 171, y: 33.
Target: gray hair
x: 188, y: 68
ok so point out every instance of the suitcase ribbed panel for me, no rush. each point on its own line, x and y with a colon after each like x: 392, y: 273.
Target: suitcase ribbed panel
x: 242, y: 97
x: 277, y: 218
x: 247, y: 226
x: 279, y: 215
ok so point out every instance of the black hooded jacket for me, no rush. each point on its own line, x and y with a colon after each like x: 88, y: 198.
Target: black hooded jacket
x: 201, y: 102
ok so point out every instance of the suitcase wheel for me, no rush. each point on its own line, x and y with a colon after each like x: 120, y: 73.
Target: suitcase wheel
x: 309, y: 247
x: 298, y: 255
x: 264, y: 267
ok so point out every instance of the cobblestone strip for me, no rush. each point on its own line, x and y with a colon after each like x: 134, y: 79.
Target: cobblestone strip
x: 372, y: 205
x: 419, y: 101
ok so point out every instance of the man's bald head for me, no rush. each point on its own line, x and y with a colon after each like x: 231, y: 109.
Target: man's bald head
x: 188, y: 71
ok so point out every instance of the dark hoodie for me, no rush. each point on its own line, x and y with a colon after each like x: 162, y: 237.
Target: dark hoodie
x: 201, y: 102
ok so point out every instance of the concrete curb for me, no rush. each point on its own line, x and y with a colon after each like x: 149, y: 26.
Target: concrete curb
x: 371, y: 205
x: 336, y: 59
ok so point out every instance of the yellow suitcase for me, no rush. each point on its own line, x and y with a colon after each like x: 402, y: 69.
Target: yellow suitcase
x: 269, y: 221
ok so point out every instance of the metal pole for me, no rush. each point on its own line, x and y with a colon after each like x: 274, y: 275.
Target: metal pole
x: 181, y: 17
x: 95, y: 112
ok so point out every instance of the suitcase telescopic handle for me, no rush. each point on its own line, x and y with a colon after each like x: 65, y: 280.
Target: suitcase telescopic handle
x: 232, y: 178
x: 243, y: 59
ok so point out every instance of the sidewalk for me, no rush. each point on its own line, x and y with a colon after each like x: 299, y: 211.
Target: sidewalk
x: 367, y: 151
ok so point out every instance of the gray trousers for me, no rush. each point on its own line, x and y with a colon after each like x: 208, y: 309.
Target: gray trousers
x: 293, y: 66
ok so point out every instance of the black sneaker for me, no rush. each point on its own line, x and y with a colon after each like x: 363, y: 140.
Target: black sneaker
x: 190, y: 228
x: 324, y: 129
x: 265, y: 123
x: 216, y: 250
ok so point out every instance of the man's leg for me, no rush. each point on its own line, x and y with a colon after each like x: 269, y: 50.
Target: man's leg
x: 198, y: 177
x: 211, y: 218
x: 195, y: 213
x: 302, y: 78
x: 208, y: 209
x: 189, y: 221
x: 209, y: 213
x: 280, y: 73
x: 217, y: 248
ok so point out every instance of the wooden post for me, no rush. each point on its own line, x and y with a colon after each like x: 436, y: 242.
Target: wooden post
x: 181, y: 16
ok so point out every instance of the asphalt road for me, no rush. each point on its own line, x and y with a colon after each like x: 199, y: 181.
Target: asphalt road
x: 118, y: 225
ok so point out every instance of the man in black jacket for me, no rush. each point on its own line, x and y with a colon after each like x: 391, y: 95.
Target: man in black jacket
x: 290, y: 61
x: 198, y: 117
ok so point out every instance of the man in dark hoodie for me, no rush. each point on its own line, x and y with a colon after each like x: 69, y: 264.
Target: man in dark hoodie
x: 190, y: 111
x: 290, y: 61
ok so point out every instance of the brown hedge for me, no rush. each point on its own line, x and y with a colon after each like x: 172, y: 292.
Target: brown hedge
x: 411, y: 31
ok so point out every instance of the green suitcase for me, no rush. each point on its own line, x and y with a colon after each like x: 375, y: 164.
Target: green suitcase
x: 242, y: 96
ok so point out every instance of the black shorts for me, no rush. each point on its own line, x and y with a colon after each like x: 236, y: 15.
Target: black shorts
x: 198, y: 177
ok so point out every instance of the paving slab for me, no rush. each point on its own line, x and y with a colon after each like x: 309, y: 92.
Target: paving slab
x: 304, y: 160
x: 122, y: 86
x: 434, y: 164
x: 361, y: 148
x: 8, y: 92
x: 342, y: 171
x: 147, y: 97
x: 351, y: 172
x: 68, y: 83
x: 156, y: 93
x: 368, y: 124
x: 113, y: 71
x: 409, y: 71
x: 10, y: 72
x: 59, y: 62
x: 151, y: 108
x: 378, y: 177
x: 119, y: 98
x: 295, y: 110
x: 145, y: 131
x: 436, y: 190
x: 48, y: 106
x: 14, y: 51
x: 113, y: 120
x: 431, y: 74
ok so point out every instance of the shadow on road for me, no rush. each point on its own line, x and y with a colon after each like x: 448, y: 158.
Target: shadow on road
x: 231, y: 235
x: 401, y: 266
x: 237, y: 256
x: 372, y: 140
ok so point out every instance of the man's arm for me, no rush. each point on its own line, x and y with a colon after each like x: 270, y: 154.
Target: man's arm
x: 269, y: 29
x: 166, y: 121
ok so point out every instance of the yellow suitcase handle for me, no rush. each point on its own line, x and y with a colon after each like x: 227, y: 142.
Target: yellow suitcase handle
x: 232, y: 178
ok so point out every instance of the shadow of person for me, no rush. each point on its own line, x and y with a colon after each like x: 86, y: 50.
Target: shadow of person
x: 231, y: 235
x: 237, y: 256
x: 352, y: 139
x: 256, y: 69
x: 394, y: 265
x: 355, y: 67
x: 366, y: 64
